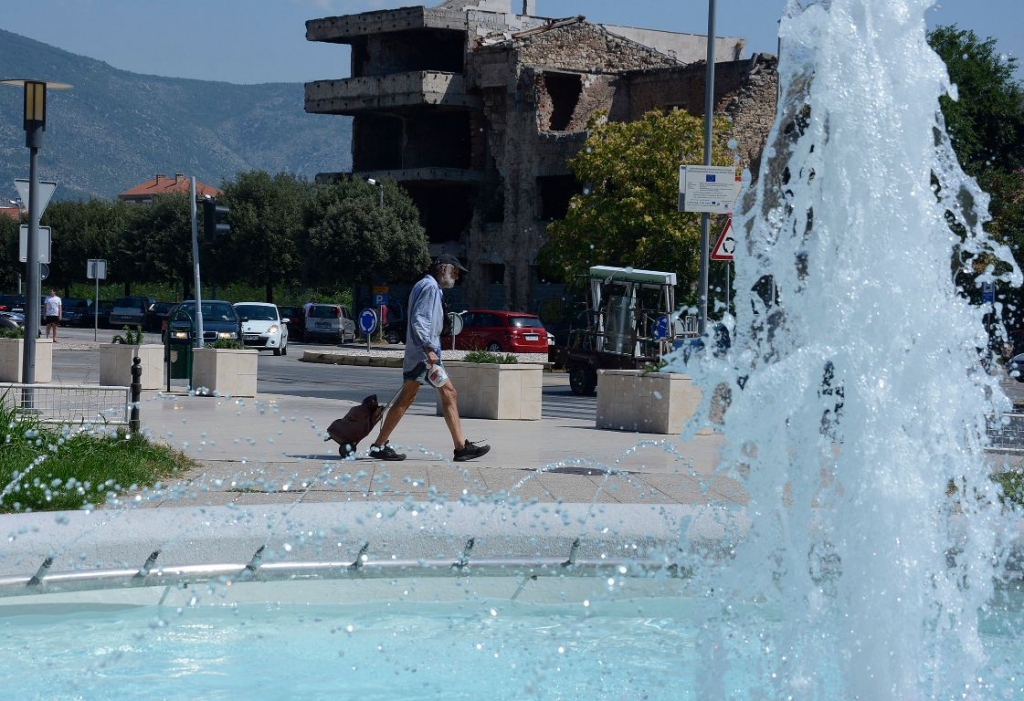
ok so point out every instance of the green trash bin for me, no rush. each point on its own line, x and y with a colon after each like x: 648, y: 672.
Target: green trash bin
x: 179, y: 350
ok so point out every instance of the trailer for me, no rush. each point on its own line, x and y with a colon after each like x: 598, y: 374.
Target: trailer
x: 631, y: 321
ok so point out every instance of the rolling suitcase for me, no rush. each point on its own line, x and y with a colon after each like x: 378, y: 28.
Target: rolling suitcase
x: 355, y: 425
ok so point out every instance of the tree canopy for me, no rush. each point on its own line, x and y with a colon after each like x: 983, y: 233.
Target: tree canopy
x: 352, y: 235
x: 285, y: 233
x: 986, y: 128
x: 627, y: 214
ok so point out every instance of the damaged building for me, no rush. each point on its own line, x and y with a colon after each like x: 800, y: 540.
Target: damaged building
x: 476, y: 109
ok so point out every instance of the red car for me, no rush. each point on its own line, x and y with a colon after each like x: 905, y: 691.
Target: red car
x: 500, y: 332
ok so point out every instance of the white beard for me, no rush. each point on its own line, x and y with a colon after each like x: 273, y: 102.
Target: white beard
x: 447, y: 279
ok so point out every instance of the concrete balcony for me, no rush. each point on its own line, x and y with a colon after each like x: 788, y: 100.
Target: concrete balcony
x: 396, y: 91
x: 344, y: 29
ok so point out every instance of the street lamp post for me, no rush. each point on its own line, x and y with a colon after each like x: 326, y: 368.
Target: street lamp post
x: 705, y: 221
x: 381, y: 186
x: 35, y: 125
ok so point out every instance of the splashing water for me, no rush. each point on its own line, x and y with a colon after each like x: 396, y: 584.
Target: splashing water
x: 857, y: 395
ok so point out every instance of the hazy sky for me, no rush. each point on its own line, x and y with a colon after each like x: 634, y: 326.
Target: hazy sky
x: 259, y: 41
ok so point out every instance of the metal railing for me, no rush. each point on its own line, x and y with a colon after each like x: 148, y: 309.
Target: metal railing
x: 68, y: 404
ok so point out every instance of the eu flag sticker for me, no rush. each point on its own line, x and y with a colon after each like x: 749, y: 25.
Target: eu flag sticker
x: 709, y: 178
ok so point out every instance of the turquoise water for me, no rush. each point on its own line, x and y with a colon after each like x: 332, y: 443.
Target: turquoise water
x: 483, y: 648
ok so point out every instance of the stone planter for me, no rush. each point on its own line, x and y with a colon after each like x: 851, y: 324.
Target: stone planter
x: 12, y: 356
x: 116, y: 364
x: 658, y: 402
x: 496, y: 390
x: 226, y: 371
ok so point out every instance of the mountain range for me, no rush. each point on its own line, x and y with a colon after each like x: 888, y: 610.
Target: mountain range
x: 115, y: 129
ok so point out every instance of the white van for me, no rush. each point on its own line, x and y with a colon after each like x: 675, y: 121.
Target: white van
x: 330, y: 322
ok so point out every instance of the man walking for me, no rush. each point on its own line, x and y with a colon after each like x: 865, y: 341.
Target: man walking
x: 423, y: 362
x: 52, y: 311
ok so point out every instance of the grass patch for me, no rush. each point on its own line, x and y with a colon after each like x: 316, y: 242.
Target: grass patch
x: 44, y: 468
x: 1013, y: 486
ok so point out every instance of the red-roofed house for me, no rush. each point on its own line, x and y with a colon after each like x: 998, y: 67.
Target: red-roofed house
x: 144, y: 193
x: 12, y: 212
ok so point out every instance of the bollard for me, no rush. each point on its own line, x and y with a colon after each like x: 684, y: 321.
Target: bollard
x: 133, y: 422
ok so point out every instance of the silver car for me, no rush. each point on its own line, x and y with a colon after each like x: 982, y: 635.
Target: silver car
x: 330, y: 322
x: 130, y: 311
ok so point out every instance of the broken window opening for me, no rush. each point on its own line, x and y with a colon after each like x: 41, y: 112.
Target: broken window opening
x: 564, y: 89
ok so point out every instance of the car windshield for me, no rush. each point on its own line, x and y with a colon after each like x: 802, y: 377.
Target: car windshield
x: 323, y: 311
x: 526, y: 322
x: 257, y: 312
x: 74, y: 303
x: 212, y: 311
x: 128, y: 302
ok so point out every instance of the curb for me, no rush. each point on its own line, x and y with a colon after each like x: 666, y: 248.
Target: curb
x: 349, y: 359
x: 362, y: 360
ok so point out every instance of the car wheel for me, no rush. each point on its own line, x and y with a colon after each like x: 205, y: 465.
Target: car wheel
x: 277, y: 351
x: 494, y: 347
x: 392, y: 337
x: 284, y: 351
x: 582, y: 380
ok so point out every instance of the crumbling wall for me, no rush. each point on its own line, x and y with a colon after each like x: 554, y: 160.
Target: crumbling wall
x: 585, y: 48
x: 745, y: 91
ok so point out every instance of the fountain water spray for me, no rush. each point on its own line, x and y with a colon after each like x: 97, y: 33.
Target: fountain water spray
x: 857, y: 396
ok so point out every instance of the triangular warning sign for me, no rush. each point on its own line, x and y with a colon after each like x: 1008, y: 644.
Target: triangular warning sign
x: 726, y: 244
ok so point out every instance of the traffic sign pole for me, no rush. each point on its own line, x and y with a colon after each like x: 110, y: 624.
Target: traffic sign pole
x: 367, y: 323
x: 96, y: 268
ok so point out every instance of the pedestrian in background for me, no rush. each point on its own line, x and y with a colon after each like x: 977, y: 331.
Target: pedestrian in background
x: 52, y: 310
x: 422, y: 362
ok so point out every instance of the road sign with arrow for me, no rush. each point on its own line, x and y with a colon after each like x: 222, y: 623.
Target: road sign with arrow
x: 726, y: 245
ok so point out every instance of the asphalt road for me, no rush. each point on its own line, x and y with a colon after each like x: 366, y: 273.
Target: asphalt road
x: 288, y: 375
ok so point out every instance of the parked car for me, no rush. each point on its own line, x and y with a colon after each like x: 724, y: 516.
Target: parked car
x: 130, y: 311
x: 12, y: 303
x: 262, y: 327
x: 295, y: 320
x: 76, y: 311
x: 16, y: 317
x: 156, y: 315
x: 1015, y: 367
x: 500, y: 332
x: 103, y: 310
x: 220, y: 322
x: 332, y: 322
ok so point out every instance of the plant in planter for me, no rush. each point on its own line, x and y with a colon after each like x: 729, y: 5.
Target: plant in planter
x: 129, y: 337
x: 12, y: 351
x: 494, y: 386
x: 489, y: 357
x: 226, y: 344
x: 225, y: 367
x: 116, y: 359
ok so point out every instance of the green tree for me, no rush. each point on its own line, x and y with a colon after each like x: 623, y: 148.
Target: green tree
x: 627, y: 212
x: 156, y: 244
x: 986, y: 129
x: 81, y: 230
x: 10, y: 266
x: 352, y: 239
x: 263, y: 247
x: 986, y: 122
